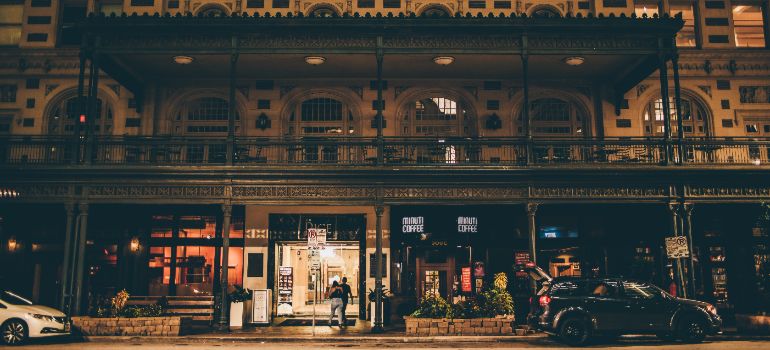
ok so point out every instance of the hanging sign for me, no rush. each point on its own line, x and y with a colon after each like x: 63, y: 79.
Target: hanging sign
x: 466, y: 279
x: 676, y: 247
x: 478, y: 269
x: 314, y: 259
x: 467, y: 224
x: 316, y: 238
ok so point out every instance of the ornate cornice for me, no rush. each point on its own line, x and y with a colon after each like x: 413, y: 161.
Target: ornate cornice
x: 728, y: 192
x: 600, y: 192
x: 155, y: 192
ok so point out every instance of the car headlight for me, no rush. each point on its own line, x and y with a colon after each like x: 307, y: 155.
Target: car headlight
x: 711, y: 309
x: 43, y: 317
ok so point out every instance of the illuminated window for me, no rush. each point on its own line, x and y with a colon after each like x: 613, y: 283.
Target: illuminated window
x: 206, y: 115
x: 553, y: 116
x: 749, y: 26
x: 65, y: 114
x: 434, y: 116
x: 694, y: 118
x: 686, y: 36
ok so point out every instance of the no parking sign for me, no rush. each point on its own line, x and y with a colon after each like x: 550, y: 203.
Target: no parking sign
x: 676, y: 247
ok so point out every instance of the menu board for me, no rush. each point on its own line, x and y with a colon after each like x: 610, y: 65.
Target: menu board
x: 465, y: 277
x: 285, y: 290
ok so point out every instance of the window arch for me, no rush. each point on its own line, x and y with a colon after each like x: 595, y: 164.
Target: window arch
x: 437, y: 116
x: 555, y: 117
x: 321, y: 116
x: 435, y: 10
x: 323, y: 10
x: 65, y: 113
x: 695, y: 121
x: 212, y: 10
x: 204, y: 116
x: 545, y: 11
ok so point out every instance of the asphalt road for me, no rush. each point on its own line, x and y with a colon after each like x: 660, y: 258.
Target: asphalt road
x: 625, y: 343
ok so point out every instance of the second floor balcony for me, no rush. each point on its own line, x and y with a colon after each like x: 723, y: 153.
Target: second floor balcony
x: 387, y: 151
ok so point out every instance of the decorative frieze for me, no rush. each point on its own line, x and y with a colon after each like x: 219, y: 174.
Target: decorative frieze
x: 152, y: 191
x: 730, y: 192
x: 599, y: 192
x: 277, y: 192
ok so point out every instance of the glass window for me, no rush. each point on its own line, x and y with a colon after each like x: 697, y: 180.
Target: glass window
x: 569, y: 288
x: 640, y: 290
x: 65, y: 115
x: 553, y: 116
x: 207, y: 115
x: 604, y: 289
x: 686, y: 36
x: 434, y: 116
x: 694, y: 119
x: 749, y: 26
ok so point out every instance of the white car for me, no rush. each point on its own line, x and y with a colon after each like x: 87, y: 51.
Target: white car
x: 20, y: 320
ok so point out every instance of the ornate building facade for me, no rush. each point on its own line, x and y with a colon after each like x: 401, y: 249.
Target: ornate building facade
x: 145, y: 144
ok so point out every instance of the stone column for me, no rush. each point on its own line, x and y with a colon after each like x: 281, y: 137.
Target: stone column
x: 65, y: 270
x: 224, y: 315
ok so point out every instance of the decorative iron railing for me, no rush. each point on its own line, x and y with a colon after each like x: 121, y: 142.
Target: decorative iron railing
x: 36, y: 150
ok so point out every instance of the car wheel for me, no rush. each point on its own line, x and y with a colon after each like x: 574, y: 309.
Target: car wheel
x: 574, y: 331
x: 692, y: 330
x: 14, y: 332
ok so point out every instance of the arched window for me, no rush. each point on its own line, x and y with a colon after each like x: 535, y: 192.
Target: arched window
x: 694, y: 118
x: 435, y: 11
x: 212, y: 10
x: 556, y: 117
x: 436, y: 116
x: 321, y: 116
x: 204, y: 116
x: 65, y: 114
x: 545, y: 12
x: 323, y: 11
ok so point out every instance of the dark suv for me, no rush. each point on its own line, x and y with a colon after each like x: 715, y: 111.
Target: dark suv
x: 576, y: 309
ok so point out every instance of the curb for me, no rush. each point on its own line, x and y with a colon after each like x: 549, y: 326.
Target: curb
x: 310, y: 339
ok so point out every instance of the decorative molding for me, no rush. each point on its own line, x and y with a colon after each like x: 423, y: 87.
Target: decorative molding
x: 398, y: 90
x: 274, y: 192
x: 359, y: 90
x: 727, y: 192
x: 34, y: 191
x: 706, y: 89
x: 50, y: 87
x: 151, y: 191
x: 599, y: 192
x: 285, y: 89
x: 115, y: 88
x: 641, y: 88
x: 446, y: 192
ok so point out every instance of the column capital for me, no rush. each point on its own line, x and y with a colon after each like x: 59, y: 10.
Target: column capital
x: 532, y: 208
x: 688, y: 207
x: 674, y: 207
x: 227, y: 209
x: 379, y: 209
x: 69, y: 208
x: 83, y: 208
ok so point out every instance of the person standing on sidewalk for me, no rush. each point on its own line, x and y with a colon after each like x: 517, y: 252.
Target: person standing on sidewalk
x: 345, y: 293
x: 335, y: 295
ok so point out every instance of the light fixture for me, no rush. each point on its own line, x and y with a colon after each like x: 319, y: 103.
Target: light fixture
x: 134, y: 245
x: 183, y: 59
x: 12, y: 244
x: 574, y: 60
x: 443, y: 60
x: 315, y: 60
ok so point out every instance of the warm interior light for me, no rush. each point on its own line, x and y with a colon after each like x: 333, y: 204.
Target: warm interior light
x: 443, y: 60
x: 183, y: 59
x: 134, y: 244
x: 574, y: 60
x: 315, y: 60
x: 12, y: 244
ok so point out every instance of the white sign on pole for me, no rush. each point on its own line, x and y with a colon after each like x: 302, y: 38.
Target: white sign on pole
x: 676, y: 247
x: 314, y: 259
x: 312, y: 238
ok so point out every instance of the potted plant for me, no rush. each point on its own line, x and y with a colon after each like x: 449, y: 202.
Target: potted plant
x: 238, y: 297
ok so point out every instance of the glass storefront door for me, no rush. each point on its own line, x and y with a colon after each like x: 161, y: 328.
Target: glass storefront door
x: 296, y: 287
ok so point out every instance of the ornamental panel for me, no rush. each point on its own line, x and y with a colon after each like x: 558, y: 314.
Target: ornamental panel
x: 309, y: 192
x: 150, y: 191
x: 600, y: 192
x: 727, y: 192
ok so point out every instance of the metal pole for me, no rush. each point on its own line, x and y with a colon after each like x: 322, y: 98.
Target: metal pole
x: 231, y: 103
x: 315, y: 297
x: 80, y: 257
x: 65, y: 280
x: 380, y: 139
x: 673, y: 207
x: 224, y: 316
x: 532, y: 228
x: 687, y: 209
x: 663, y: 68
x: 81, y: 108
x: 678, y: 106
x: 379, y: 209
x: 525, y: 118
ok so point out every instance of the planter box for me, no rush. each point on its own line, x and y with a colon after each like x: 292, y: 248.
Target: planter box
x: 152, y: 326
x: 502, y: 325
x: 752, y: 323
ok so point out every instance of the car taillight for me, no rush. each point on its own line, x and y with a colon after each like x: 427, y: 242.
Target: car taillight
x: 545, y: 300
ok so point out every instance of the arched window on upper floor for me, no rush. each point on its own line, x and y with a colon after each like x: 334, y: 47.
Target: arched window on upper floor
x: 545, y: 11
x: 321, y: 116
x: 323, y: 10
x: 204, y: 116
x: 212, y: 10
x: 435, y: 10
x: 695, y: 121
x: 65, y: 114
x: 553, y: 116
x: 437, y: 116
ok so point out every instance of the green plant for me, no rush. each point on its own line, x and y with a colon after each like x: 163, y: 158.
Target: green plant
x: 118, y: 302
x: 240, y: 294
x: 433, y: 306
x: 467, y: 308
x: 154, y: 310
x: 495, y: 302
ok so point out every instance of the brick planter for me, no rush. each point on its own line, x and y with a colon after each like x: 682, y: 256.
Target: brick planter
x: 502, y: 325
x: 147, y: 326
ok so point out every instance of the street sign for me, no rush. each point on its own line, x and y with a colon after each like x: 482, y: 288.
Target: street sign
x: 676, y: 247
x: 314, y: 259
x: 316, y: 238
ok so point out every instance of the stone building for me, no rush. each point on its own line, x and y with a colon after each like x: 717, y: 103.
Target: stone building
x: 138, y: 138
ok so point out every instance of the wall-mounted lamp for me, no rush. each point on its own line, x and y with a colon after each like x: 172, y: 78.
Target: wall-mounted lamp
x: 574, y: 60
x: 12, y: 244
x: 443, y: 60
x: 183, y: 59
x: 315, y: 60
x: 134, y: 245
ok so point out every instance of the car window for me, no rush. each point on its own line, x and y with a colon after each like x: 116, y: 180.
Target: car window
x: 13, y: 299
x: 569, y: 289
x: 603, y: 288
x: 640, y: 290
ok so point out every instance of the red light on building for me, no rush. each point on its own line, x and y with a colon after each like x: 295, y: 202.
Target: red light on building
x: 82, y: 118
x: 466, y: 279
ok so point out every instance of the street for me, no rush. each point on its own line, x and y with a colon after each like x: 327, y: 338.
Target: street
x: 187, y: 344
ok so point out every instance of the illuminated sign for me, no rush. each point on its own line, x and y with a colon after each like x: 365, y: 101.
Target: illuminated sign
x: 413, y: 224
x: 466, y: 279
x: 467, y: 224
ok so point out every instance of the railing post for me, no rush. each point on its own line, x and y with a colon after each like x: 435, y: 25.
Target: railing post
x: 230, y: 148
x: 525, y: 119
x: 380, y: 139
x: 663, y: 68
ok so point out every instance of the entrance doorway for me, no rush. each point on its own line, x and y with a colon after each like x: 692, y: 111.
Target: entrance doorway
x: 435, y: 270
x: 295, y: 285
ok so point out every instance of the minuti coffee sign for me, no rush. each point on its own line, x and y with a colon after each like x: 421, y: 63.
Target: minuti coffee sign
x: 436, y: 226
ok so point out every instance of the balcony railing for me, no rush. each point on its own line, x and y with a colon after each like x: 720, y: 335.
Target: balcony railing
x: 33, y: 150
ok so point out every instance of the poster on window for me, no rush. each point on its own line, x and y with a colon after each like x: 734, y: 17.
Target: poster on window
x: 465, y: 277
x: 285, y: 290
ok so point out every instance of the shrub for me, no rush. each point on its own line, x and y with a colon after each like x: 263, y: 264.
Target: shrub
x: 433, y: 306
x: 240, y: 294
x: 119, y: 302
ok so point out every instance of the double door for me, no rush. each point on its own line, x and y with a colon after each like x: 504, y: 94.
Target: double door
x: 435, y: 271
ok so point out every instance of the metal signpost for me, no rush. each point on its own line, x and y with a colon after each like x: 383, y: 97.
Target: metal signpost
x: 677, y: 248
x: 316, y: 240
